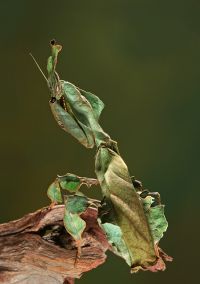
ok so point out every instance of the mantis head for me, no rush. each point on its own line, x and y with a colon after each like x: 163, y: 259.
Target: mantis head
x: 53, y: 80
x: 52, y: 60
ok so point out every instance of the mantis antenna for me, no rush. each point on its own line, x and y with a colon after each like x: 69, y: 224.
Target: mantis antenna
x: 38, y: 66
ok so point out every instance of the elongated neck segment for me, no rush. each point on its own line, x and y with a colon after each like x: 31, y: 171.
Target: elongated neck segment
x: 53, y: 78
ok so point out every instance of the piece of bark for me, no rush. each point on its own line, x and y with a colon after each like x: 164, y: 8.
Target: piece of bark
x: 37, y: 249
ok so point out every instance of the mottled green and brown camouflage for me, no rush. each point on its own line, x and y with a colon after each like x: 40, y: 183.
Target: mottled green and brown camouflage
x: 132, y: 219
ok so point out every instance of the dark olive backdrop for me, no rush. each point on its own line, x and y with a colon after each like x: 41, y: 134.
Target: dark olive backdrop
x: 142, y: 58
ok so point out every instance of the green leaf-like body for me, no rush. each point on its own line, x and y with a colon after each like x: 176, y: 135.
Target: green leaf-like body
x: 74, y: 225
x: 77, y: 204
x: 70, y: 182
x: 53, y: 192
x: 135, y: 223
x: 72, y: 186
x: 74, y: 206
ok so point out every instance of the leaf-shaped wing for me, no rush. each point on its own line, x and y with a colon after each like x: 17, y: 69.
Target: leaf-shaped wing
x: 95, y: 102
x: 84, y: 112
x: 73, y: 126
x: 117, y: 186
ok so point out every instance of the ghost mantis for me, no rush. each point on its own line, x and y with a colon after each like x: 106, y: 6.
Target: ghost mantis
x: 131, y: 217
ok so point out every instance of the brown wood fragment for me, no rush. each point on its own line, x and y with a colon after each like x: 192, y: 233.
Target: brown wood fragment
x: 36, y: 248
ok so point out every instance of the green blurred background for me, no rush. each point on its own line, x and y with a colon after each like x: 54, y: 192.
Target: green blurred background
x: 142, y: 59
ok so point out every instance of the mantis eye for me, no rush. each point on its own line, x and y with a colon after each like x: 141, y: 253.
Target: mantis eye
x: 53, y: 99
x: 53, y: 42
